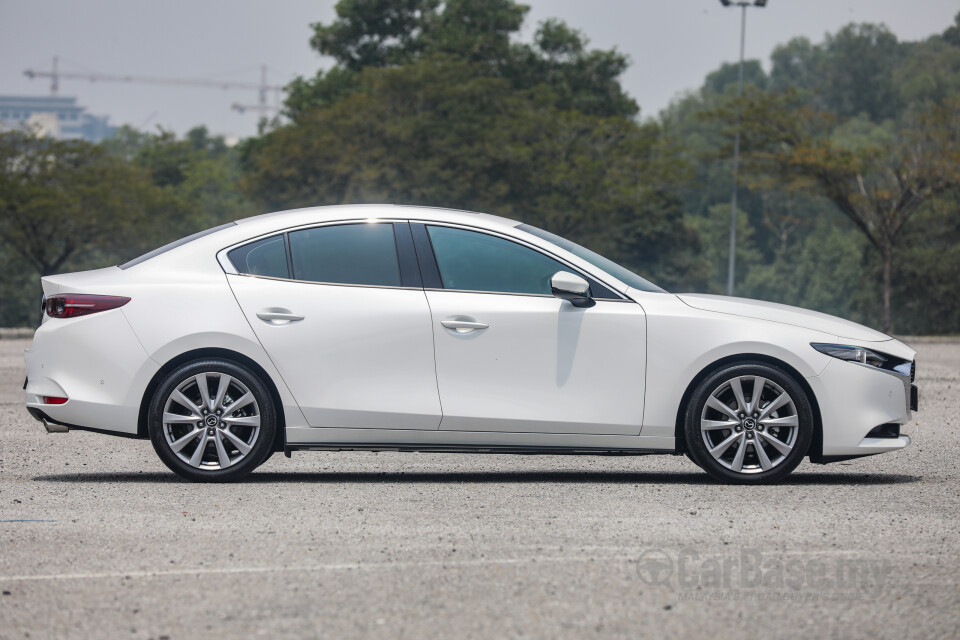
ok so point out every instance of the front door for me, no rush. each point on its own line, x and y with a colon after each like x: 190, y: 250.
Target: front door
x: 511, y: 357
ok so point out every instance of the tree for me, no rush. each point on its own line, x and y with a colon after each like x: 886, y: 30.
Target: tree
x: 441, y: 131
x: 796, y: 65
x: 952, y: 34
x: 382, y: 34
x: 374, y: 33
x: 728, y: 74
x: 879, y: 182
x: 60, y: 198
x: 580, y: 79
x: 856, y: 72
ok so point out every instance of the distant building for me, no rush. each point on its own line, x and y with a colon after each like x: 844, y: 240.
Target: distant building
x: 54, y: 116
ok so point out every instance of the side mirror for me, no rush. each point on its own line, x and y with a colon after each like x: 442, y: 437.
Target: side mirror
x: 570, y: 286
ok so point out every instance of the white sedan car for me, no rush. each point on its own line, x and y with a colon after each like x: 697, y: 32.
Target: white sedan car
x: 417, y: 329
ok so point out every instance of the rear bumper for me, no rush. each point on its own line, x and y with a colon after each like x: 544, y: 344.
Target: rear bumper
x: 50, y: 425
x: 97, y: 363
x: 54, y: 426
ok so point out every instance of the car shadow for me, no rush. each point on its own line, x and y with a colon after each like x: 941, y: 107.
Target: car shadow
x: 492, y: 477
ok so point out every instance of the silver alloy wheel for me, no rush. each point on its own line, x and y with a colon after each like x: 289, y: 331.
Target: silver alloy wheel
x: 749, y: 424
x: 211, y: 421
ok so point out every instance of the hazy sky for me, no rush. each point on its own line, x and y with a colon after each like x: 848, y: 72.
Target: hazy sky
x: 672, y: 43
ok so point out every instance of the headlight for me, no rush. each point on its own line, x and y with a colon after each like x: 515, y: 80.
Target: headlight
x: 851, y: 353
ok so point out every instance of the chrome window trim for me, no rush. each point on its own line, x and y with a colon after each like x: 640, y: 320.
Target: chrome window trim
x: 514, y: 293
x: 229, y: 268
x: 327, y: 284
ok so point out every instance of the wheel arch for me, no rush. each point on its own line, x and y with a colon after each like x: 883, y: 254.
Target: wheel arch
x: 816, y: 443
x: 224, y: 354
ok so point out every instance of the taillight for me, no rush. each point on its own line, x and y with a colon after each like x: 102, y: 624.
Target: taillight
x: 72, y: 305
x: 53, y: 400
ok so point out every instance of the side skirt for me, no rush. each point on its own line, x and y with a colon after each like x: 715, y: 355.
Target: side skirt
x: 531, y: 451
x: 332, y: 439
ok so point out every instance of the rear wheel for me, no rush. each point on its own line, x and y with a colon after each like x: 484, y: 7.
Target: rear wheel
x: 212, y: 421
x: 748, y: 423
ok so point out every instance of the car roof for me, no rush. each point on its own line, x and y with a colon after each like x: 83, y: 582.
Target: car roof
x: 197, y: 253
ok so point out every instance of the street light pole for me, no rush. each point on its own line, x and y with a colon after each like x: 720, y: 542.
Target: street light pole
x: 743, y: 4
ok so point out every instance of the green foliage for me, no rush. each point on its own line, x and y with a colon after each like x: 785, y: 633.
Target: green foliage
x: 952, y: 34
x: 72, y: 205
x: 847, y: 197
x: 374, y: 33
x: 714, y: 229
x: 19, y: 291
x: 822, y: 272
x: 859, y: 78
x: 580, y: 79
x: 725, y: 78
x: 441, y: 131
x: 383, y: 34
x: 926, y: 282
x: 61, y: 198
x: 860, y: 127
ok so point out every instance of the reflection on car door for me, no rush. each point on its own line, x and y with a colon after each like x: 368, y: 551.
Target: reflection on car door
x: 513, y: 358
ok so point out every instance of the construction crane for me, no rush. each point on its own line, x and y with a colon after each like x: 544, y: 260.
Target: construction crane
x: 262, y: 87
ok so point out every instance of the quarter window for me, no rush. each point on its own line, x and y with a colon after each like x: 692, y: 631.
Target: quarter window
x: 266, y: 257
x: 474, y: 261
x: 346, y: 254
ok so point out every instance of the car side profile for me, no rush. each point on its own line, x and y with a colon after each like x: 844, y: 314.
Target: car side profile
x: 381, y: 327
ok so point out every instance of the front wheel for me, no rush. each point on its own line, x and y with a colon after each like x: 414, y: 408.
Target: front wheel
x: 212, y: 421
x: 748, y: 423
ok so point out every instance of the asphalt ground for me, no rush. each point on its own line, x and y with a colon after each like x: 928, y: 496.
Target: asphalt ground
x: 99, y: 539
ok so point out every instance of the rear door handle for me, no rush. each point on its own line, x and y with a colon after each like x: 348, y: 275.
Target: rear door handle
x: 279, y: 316
x: 463, y: 326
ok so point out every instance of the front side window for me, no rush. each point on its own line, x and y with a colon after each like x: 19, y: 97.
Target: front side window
x: 267, y: 257
x: 346, y: 254
x: 472, y: 261
x: 597, y: 260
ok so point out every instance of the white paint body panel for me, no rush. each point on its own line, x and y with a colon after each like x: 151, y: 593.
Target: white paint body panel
x: 784, y: 314
x: 376, y: 366
x: 362, y: 357
x: 542, y: 365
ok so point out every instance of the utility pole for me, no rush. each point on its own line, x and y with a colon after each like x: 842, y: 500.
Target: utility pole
x: 743, y: 4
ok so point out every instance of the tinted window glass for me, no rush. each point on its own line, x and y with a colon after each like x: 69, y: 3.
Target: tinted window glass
x: 474, y: 261
x: 266, y: 257
x: 346, y: 254
x: 621, y: 273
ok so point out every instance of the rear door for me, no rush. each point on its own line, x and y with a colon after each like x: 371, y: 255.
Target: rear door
x: 341, y: 312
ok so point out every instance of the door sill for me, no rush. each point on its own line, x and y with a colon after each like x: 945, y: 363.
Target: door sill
x: 332, y: 439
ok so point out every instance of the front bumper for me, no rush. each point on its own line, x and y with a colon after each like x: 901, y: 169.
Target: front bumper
x: 854, y: 399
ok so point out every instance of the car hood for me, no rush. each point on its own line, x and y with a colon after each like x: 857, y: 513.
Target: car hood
x: 785, y: 314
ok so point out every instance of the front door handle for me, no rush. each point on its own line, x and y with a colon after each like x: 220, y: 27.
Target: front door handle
x: 463, y: 326
x: 279, y: 316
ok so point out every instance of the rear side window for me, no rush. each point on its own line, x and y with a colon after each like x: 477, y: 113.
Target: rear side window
x: 472, y: 261
x: 346, y: 254
x: 267, y: 257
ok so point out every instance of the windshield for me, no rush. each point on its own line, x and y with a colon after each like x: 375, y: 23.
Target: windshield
x: 620, y: 273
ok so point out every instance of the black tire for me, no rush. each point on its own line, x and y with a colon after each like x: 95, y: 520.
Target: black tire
x: 260, y: 443
x: 698, y: 450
